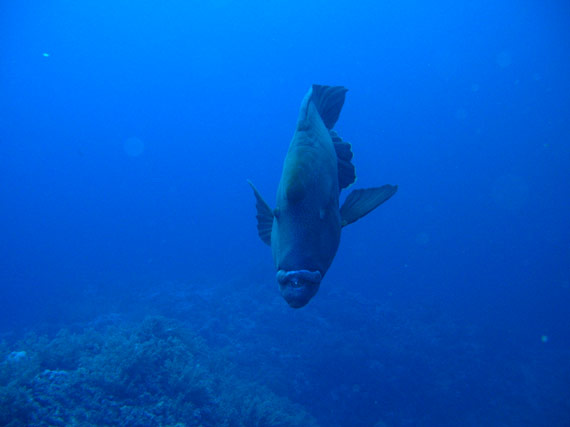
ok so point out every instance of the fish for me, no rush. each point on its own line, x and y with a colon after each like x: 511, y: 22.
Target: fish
x: 303, y: 230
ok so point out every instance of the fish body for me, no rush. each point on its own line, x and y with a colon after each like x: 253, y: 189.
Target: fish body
x: 304, y: 228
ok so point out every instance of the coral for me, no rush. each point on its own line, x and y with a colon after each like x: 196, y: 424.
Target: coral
x: 155, y: 373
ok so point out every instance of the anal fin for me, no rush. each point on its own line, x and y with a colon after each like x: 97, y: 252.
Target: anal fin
x: 264, y: 216
x: 361, y: 202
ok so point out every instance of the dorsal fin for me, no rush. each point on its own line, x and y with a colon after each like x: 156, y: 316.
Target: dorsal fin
x: 329, y: 101
x: 264, y: 216
x: 346, y: 171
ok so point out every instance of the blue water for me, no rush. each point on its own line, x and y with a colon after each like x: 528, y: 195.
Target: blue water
x: 127, y: 133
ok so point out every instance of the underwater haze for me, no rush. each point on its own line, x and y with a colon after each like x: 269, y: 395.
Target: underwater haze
x: 134, y: 289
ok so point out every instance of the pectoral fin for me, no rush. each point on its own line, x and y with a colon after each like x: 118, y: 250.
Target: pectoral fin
x: 264, y: 216
x: 360, y: 202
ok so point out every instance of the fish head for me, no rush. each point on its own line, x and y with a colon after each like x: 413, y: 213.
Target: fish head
x: 298, y: 286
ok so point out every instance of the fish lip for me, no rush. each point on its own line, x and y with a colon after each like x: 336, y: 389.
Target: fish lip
x: 298, y: 286
x: 298, y: 278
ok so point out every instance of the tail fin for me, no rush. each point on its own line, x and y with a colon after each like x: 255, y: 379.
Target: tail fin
x: 329, y: 101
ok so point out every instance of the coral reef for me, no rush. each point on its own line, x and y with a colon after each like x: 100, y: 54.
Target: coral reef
x: 154, y: 373
x: 234, y: 354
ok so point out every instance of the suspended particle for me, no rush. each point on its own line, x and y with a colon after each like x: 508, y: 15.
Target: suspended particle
x: 133, y: 147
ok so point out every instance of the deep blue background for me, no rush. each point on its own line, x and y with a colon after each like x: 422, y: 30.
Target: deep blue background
x: 464, y: 105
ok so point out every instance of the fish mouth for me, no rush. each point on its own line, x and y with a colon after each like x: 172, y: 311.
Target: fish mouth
x: 298, y: 286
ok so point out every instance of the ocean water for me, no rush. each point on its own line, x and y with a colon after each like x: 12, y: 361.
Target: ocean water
x: 134, y: 289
